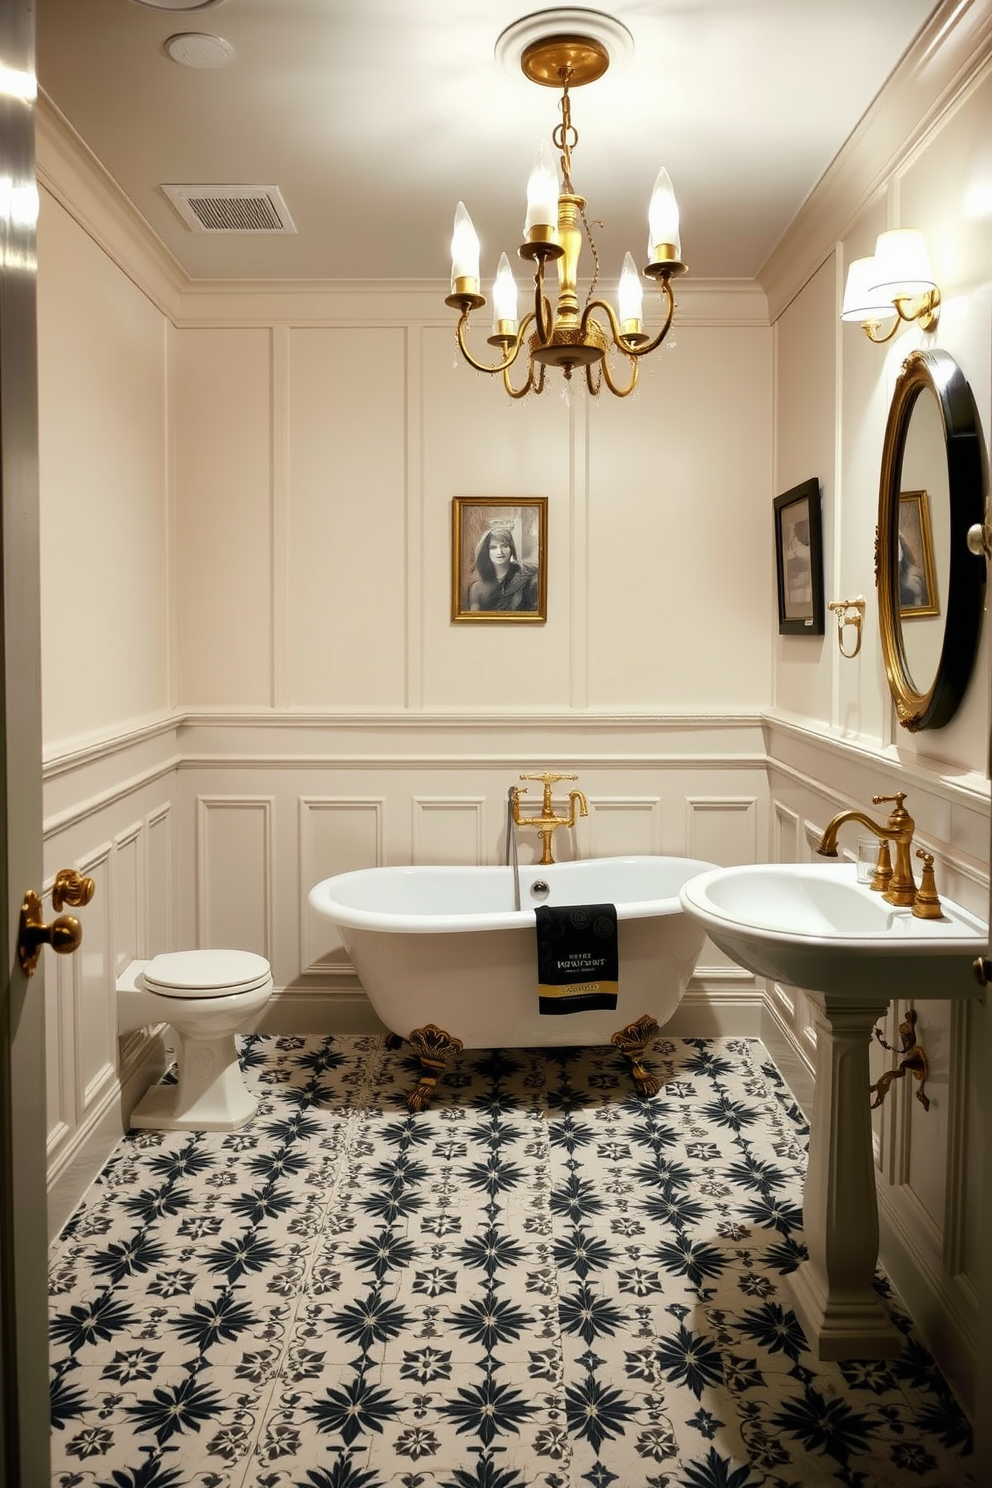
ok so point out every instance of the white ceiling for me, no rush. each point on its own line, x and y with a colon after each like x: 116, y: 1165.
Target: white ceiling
x: 374, y: 117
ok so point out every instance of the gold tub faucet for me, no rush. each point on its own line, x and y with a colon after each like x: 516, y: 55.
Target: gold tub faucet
x: 898, y: 829
x: 547, y: 823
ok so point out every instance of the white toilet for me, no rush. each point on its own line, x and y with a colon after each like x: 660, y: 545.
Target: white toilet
x: 207, y: 997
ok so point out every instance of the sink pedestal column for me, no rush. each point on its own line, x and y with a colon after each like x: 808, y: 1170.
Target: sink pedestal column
x: 832, y: 1294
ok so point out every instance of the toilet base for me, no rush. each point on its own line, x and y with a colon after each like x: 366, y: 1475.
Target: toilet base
x: 208, y: 1096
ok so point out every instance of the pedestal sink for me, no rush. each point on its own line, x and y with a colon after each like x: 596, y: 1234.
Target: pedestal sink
x: 814, y: 926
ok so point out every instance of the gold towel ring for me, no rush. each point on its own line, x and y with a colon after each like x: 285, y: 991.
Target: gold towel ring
x: 849, y: 612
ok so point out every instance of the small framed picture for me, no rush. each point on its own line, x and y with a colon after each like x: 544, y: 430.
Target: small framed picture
x: 499, y: 558
x: 799, y: 560
x: 917, y: 575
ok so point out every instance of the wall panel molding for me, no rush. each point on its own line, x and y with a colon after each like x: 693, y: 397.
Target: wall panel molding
x: 234, y: 872
x: 452, y: 824
x: 336, y: 835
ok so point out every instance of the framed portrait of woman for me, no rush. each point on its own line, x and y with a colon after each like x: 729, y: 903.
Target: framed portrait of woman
x: 499, y: 559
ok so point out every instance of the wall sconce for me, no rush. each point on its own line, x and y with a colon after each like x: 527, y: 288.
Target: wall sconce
x: 897, y: 280
x: 849, y: 612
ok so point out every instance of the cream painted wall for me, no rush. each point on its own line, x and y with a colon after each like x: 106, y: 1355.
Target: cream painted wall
x: 316, y: 468
x: 104, y: 471
x: 945, y: 189
x: 805, y: 449
x: 222, y: 437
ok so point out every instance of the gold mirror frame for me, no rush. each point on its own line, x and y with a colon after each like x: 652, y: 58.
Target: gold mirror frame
x: 938, y: 373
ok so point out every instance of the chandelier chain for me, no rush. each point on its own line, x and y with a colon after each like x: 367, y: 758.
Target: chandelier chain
x: 566, y: 136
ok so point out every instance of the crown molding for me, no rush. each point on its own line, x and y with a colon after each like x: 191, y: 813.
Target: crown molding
x: 70, y: 173
x: 265, y: 302
x: 948, y: 58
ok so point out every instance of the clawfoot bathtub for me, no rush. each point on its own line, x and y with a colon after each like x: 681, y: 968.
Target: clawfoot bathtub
x: 448, y: 963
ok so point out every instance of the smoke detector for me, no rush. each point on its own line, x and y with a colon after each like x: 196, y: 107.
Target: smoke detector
x: 198, y: 49
x: 179, y: 4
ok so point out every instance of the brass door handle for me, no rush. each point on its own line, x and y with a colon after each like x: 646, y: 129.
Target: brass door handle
x: 64, y: 934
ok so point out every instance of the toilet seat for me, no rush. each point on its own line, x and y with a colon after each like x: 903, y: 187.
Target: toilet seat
x: 191, y: 974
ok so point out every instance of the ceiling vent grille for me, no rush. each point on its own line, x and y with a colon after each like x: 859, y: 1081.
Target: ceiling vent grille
x: 231, y: 209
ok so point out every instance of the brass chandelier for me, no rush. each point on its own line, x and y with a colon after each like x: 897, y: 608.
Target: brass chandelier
x: 571, y: 336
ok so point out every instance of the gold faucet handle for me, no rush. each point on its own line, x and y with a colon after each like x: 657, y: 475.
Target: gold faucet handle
x: 926, y: 905
x: 548, y: 777
x: 898, y: 798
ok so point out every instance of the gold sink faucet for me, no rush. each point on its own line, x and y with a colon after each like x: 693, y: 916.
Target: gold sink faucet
x: 547, y: 823
x: 898, y: 829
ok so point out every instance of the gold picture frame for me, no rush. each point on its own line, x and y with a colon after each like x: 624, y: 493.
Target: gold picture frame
x: 917, y: 572
x: 511, y: 585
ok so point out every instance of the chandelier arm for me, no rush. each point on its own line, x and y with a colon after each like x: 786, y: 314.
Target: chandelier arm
x: 594, y: 383
x: 526, y: 387
x: 542, y: 308
x: 507, y: 361
x: 530, y: 385
x: 615, y: 389
x: 618, y: 336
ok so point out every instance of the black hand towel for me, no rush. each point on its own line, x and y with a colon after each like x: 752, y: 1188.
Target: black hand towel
x: 577, y: 957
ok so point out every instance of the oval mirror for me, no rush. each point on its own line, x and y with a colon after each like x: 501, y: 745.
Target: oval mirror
x: 931, y: 587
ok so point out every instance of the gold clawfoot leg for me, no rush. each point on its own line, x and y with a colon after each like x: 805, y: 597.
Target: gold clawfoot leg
x: 392, y: 1041
x: 433, y: 1047
x: 632, y: 1041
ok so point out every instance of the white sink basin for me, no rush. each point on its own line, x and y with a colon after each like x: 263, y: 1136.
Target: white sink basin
x: 814, y: 926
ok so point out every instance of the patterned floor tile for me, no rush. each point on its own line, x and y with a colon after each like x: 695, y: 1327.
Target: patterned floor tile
x: 542, y: 1281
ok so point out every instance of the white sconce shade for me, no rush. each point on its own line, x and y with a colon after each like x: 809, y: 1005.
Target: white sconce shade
x: 630, y: 295
x: 663, y: 217
x: 542, y: 190
x: 861, y: 302
x: 464, y: 248
x: 504, y: 295
x: 902, y: 265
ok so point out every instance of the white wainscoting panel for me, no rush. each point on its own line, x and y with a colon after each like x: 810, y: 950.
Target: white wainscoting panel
x: 128, y: 895
x: 722, y: 829
x: 338, y: 834
x: 621, y: 825
x: 93, y: 979
x: 785, y: 834
x: 60, y: 1041
x: 234, y: 872
x: 449, y: 829
x: 159, y: 882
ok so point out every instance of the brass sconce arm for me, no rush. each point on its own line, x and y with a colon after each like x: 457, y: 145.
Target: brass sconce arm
x: 914, y: 1062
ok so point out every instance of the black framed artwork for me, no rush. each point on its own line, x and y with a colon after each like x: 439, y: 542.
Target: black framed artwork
x: 799, y: 560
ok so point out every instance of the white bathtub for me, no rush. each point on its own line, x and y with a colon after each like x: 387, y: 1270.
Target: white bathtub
x: 445, y: 947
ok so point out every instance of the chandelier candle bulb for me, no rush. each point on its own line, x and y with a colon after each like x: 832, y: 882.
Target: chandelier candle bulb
x: 630, y: 298
x: 664, y: 243
x: 505, y: 315
x: 464, y: 253
x: 542, y: 192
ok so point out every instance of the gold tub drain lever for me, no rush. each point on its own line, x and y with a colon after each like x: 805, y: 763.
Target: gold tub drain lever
x: 64, y: 934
